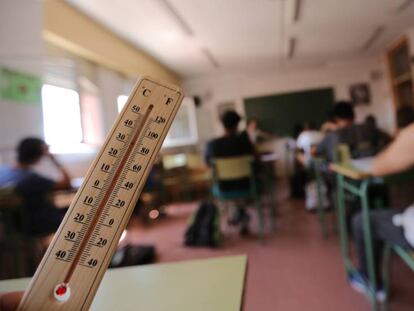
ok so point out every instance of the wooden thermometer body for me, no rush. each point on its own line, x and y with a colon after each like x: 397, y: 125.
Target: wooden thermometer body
x: 76, y: 260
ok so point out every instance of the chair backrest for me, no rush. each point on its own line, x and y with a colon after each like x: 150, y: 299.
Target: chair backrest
x: 9, y: 198
x: 195, y: 161
x: 362, y: 140
x: 343, y: 154
x: 231, y: 168
x: 172, y: 161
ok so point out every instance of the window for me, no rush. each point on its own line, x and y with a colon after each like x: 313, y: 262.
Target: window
x: 183, y: 130
x: 121, y: 101
x: 61, y: 117
x: 92, y: 121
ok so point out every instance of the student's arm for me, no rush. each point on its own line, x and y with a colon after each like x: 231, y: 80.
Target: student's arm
x: 64, y: 182
x: 9, y: 301
x: 398, y: 157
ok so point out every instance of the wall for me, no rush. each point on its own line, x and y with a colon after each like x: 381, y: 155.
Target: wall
x: 234, y: 87
x: 21, y: 49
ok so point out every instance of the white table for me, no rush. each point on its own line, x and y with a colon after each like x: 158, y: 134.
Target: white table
x: 198, y: 285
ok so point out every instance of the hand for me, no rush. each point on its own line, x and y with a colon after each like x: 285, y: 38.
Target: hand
x: 10, y: 301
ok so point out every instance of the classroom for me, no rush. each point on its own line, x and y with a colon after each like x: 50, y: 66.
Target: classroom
x: 220, y: 155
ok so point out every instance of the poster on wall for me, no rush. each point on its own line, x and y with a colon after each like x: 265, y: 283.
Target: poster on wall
x: 20, y: 87
x: 360, y: 94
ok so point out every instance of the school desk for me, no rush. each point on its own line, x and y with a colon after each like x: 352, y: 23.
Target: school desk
x: 354, y: 177
x: 203, y: 285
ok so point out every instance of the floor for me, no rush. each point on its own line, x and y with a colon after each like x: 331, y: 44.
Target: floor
x: 295, y: 269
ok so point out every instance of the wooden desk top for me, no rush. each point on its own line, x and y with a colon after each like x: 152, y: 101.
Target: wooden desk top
x: 349, y: 171
x: 202, y: 285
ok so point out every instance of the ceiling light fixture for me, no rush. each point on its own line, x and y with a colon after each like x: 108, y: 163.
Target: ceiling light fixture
x: 210, y: 57
x: 374, y: 37
x: 296, y: 10
x: 179, y: 19
x: 291, y: 48
x: 403, y: 5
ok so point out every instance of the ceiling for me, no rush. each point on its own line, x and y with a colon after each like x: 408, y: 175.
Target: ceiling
x: 197, y: 37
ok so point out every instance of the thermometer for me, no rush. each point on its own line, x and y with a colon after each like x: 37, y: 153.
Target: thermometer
x: 76, y: 260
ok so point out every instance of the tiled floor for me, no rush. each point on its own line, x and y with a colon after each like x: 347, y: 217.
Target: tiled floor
x: 295, y: 269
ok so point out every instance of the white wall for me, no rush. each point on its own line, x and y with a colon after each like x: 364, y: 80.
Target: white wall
x: 22, y: 49
x: 235, y: 87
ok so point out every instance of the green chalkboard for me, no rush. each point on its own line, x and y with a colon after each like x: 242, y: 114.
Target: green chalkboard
x: 279, y: 113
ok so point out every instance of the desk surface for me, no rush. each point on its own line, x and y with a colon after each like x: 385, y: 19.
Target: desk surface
x: 355, y: 169
x: 202, y: 285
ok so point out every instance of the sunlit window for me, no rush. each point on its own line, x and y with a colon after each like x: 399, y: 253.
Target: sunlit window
x: 183, y: 130
x: 61, y: 116
x: 121, y: 101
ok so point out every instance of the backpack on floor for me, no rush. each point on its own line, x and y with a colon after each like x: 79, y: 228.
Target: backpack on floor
x: 204, y: 227
x: 133, y: 255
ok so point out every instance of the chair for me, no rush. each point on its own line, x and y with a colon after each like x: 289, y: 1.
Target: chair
x: 235, y: 168
x: 317, y: 163
x: 20, y: 253
x: 174, y: 178
x: 186, y: 175
x: 407, y: 257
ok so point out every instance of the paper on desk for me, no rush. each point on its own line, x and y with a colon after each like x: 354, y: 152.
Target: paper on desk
x: 363, y: 165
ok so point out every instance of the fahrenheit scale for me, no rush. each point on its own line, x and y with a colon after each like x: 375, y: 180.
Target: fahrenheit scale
x: 76, y: 260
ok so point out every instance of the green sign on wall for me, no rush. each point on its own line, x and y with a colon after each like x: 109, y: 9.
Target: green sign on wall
x: 20, y: 87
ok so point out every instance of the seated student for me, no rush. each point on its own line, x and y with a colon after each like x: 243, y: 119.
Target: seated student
x: 381, y: 137
x: 399, y: 156
x: 255, y: 133
x: 306, y: 143
x: 40, y: 216
x: 360, y: 138
x: 232, y: 144
x: 308, y: 139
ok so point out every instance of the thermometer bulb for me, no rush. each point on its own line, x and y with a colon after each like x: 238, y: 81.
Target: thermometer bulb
x: 62, y: 292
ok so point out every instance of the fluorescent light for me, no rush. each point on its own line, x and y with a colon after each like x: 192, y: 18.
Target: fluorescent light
x: 401, y: 7
x: 297, y: 10
x: 179, y: 19
x: 374, y: 37
x: 210, y: 57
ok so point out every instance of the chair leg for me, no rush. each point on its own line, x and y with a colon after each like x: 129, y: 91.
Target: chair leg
x: 386, y: 271
x: 273, y: 211
x: 260, y: 219
x: 320, y: 207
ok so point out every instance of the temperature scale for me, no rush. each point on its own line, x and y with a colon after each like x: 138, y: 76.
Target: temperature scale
x: 76, y: 260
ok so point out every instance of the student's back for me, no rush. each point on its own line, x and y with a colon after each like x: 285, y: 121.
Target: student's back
x: 362, y: 141
x: 35, y: 193
x: 230, y: 146
x: 39, y: 214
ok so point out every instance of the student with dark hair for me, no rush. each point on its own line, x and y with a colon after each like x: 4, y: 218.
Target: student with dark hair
x: 40, y: 216
x: 361, y: 139
x: 232, y: 144
x: 381, y: 138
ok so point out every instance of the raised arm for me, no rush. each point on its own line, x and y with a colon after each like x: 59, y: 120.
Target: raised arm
x: 64, y: 182
x: 398, y: 157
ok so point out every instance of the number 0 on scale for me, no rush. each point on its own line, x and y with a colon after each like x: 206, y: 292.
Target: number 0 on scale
x: 76, y: 260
